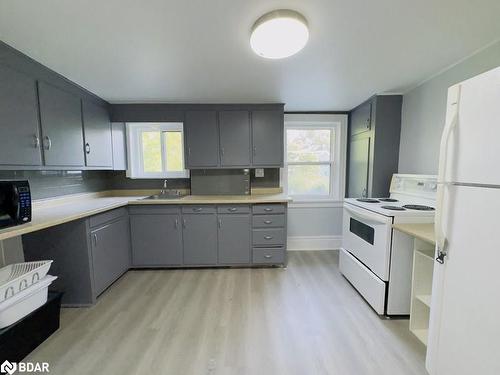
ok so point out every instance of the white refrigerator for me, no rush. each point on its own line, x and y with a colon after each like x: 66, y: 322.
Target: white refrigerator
x: 464, y: 331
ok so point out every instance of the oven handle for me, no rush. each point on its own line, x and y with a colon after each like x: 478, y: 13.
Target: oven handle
x: 365, y: 217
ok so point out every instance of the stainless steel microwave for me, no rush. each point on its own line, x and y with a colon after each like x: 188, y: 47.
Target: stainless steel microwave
x: 15, y: 203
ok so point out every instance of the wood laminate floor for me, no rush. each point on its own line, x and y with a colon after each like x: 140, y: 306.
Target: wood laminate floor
x: 306, y: 319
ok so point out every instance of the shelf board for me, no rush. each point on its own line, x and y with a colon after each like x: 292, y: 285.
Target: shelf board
x: 424, y: 298
x: 421, y: 334
x: 428, y: 254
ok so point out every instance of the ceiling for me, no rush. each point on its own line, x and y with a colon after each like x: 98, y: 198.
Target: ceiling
x: 198, y: 50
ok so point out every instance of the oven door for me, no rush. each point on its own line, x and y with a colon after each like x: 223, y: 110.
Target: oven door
x: 367, y: 235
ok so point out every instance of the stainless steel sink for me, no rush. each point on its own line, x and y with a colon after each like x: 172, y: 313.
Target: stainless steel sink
x: 165, y: 196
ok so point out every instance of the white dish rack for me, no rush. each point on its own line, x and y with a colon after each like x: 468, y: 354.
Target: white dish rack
x: 17, y: 277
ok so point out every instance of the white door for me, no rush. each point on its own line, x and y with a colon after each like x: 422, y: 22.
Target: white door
x: 464, y: 335
x: 471, y: 152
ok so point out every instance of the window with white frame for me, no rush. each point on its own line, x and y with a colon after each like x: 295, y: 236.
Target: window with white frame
x: 156, y: 150
x: 314, y: 157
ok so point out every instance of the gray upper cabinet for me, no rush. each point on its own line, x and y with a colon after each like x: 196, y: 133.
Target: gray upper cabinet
x: 97, y: 133
x: 234, y: 127
x: 156, y: 240
x: 359, y: 159
x: 373, y: 146
x: 200, y: 239
x: 110, y: 253
x: 267, y: 138
x: 62, y: 132
x: 19, y: 126
x: 234, y: 238
x: 361, y: 118
x: 201, y: 139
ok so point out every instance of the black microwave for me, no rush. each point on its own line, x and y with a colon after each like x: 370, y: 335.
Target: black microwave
x: 15, y: 203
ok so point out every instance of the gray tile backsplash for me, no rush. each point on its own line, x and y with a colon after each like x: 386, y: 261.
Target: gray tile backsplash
x: 47, y: 184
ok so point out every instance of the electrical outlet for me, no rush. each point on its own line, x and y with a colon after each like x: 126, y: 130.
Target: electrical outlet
x: 259, y: 172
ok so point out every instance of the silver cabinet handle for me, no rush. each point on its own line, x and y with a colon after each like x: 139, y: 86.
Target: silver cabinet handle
x: 197, y: 209
x: 189, y: 151
x: 176, y: 223
x: 268, y: 221
x: 87, y: 148
x: 222, y: 151
x: 220, y: 223
x: 254, y: 150
x: 267, y: 209
x: 184, y: 223
x: 232, y: 209
x: 95, y: 239
x: 268, y: 237
x: 268, y: 256
x: 47, y: 143
x: 36, y: 141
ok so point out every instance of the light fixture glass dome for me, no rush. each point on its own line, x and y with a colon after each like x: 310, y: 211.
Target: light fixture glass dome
x: 279, y: 34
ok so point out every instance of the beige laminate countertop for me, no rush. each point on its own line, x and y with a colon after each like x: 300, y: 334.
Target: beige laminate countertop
x: 424, y: 232
x: 61, y: 210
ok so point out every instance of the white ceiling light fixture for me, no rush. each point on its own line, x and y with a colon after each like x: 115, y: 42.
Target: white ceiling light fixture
x: 279, y: 34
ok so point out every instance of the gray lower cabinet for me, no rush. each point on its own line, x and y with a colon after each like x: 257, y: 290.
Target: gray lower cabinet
x: 200, y: 238
x: 234, y: 238
x: 267, y: 138
x: 62, y: 131
x: 234, y: 127
x: 201, y: 139
x: 88, y: 254
x: 19, y: 128
x: 110, y: 252
x: 156, y: 240
x: 97, y: 133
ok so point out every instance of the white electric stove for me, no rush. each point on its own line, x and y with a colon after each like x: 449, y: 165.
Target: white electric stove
x: 376, y: 259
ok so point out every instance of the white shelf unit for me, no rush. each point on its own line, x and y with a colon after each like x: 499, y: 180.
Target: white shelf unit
x: 423, y: 266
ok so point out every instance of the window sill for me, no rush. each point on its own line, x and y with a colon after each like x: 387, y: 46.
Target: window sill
x: 319, y: 203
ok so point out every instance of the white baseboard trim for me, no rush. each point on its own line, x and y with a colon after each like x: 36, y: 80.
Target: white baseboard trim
x: 304, y: 243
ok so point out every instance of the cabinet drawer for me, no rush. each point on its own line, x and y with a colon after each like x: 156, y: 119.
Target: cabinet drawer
x: 268, y: 237
x: 268, y: 209
x: 268, y: 256
x: 268, y: 221
x: 106, y: 217
x: 233, y: 209
x: 154, y: 210
x: 198, y: 209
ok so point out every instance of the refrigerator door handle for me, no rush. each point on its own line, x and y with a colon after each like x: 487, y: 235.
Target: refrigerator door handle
x: 442, y: 183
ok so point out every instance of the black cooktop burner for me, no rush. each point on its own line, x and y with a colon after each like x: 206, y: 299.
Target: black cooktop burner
x: 418, y: 207
x: 393, y: 208
x: 388, y: 200
x: 368, y: 200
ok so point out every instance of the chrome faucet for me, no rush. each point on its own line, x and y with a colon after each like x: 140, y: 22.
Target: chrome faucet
x: 164, y: 190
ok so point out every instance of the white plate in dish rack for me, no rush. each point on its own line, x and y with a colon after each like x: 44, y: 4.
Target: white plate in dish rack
x: 14, y: 278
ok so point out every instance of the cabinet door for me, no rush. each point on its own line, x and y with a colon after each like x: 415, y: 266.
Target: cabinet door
x: 19, y: 128
x: 201, y: 139
x: 62, y: 131
x: 97, y: 132
x: 234, y: 239
x: 267, y: 138
x: 234, y: 127
x: 359, y: 163
x: 200, y: 239
x: 361, y: 119
x: 156, y: 240
x: 110, y: 253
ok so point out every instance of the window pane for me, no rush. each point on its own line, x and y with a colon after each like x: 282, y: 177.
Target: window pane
x: 174, y: 149
x: 308, y: 145
x: 309, y: 179
x: 151, y: 151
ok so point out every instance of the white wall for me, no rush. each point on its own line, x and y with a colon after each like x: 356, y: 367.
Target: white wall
x: 424, y: 110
